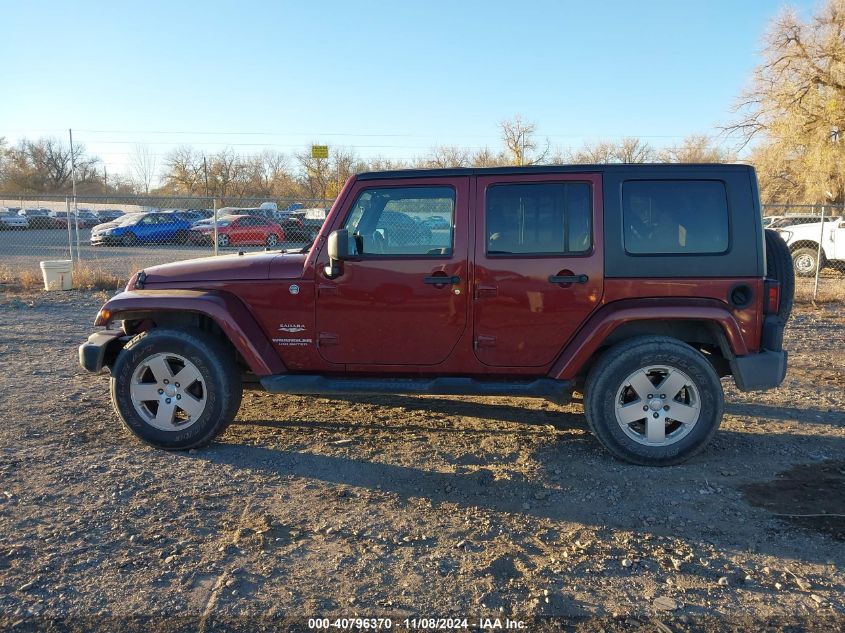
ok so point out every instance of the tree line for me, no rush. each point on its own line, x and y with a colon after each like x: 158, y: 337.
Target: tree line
x: 790, y: 119
x: 44, y: 166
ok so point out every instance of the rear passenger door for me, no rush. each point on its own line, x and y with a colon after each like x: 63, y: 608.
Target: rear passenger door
x: 538, y: 264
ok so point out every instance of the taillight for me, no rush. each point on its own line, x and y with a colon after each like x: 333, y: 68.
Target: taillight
x: 772, y: 290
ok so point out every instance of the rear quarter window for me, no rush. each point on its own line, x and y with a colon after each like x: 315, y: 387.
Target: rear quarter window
x: 675, y: 217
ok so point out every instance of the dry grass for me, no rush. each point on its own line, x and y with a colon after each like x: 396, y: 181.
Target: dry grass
x: 85, y: 277
x: 831, y: 290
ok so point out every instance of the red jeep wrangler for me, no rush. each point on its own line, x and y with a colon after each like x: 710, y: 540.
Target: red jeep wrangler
x: 638, y: 285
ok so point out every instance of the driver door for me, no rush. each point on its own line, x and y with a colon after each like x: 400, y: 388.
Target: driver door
x: 400, y: 298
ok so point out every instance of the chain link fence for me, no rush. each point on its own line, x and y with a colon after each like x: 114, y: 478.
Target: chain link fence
x: 114, y: 236
x: 815, y: 235
x: 118, y: 235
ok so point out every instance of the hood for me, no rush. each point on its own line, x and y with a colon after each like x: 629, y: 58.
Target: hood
x: 105, y: 225
x: 254, y: 266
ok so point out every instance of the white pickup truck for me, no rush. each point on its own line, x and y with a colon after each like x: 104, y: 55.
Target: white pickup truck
x: 803, y: 242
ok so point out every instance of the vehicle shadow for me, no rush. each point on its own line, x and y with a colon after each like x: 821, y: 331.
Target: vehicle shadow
x: 551, y: 416
x: 588, y: 486
x: 787, y: 414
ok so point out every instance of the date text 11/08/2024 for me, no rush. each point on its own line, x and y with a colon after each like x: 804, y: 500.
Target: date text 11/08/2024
x: 424, y: 624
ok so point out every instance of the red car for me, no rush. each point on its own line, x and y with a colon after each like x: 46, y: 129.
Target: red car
x: 247, y: 230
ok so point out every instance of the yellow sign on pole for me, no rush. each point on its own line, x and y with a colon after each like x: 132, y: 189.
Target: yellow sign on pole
x: 319, y: 151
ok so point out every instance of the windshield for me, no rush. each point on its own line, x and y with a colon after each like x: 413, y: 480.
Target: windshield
x: 129, y: 220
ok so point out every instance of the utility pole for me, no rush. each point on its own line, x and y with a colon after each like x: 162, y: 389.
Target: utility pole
x: 105, y: 178
x: 205, y: 171
x: 75, y: 203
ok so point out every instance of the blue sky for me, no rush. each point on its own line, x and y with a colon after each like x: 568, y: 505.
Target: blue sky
x: 387, y: 78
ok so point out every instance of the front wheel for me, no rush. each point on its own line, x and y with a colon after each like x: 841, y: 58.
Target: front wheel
x: 129, y: 239
x: 653, y: 401
x: 175, y: 388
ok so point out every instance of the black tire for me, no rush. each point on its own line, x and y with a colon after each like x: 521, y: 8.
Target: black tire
x: 805, y: 261
x: 779, y: 266
x: 181, y: 237
x: 222, y: 239
x: 129, y: 239
x: 272, y: 239
x: 220, y: 382
x: 608, y: 376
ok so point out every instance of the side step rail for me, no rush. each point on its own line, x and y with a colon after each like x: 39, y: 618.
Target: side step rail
x: 559, y: 391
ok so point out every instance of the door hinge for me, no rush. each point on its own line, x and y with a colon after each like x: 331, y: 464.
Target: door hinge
x: 484, y: 341
x: 326, y: 339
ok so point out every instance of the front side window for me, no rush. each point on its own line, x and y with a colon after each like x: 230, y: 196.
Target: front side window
x: 679, y: 217
x: 538, y: 218
x: 402, y: 221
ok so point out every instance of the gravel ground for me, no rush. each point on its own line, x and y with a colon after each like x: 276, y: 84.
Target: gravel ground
x: 407, y: 507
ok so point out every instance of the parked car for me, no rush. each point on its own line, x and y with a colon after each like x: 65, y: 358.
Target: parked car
x: 436, y: 222
x: 146, y: 228
x: 87, y: 219
x: 108, y: 215
x: 779, y: 221
x: 39, y: 218
x: 188, y: 216
x: 803, y: 243
x: 236, y: 230
x: 13, y: 222
x: 400, y: 229
x: 59, y: 219
x: 622, y: 282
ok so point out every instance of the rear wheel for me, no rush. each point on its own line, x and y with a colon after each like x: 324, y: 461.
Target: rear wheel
x: 175, y: 389
x: 653, y: 400
x: 272, y: 239
x: 181, y: 237
x: 805, y: 261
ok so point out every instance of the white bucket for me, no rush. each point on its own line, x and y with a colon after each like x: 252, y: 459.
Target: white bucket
x: 57, y: 274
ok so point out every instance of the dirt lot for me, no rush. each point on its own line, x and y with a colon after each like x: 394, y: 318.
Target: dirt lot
x: 411, y: 507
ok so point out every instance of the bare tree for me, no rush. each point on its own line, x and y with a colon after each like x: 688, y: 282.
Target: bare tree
x: 629, y: 150
x: 518, y: 138
x: 634, y: 150
x: 45, y: 166
x: 595, y: 154
x: 184, y: 171
x: 143, y: 164
x: 696, y: 148
x: 487, y: 158
x: 447, y: 156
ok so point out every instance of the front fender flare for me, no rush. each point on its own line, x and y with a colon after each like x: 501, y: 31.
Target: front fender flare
x: 228, y: 312
x: 603, y: 322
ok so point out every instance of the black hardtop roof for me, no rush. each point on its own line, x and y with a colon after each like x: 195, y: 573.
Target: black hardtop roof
x: 651, y: 168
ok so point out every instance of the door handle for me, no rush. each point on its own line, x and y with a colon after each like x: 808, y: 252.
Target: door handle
x: 568, y: 279
x: 442, y: 280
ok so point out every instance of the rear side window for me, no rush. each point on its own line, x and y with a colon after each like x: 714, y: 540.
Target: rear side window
x: 678, y: 217
x: 538, y: 218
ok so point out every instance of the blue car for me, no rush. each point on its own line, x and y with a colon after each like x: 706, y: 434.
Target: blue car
x: 142, y: 228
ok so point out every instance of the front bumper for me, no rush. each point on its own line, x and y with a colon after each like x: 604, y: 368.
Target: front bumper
x: 767, y: 368
x: 101, y: 349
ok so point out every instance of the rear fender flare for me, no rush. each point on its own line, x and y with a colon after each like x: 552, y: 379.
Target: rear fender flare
x: 602, y: 324
x: 228, y: 312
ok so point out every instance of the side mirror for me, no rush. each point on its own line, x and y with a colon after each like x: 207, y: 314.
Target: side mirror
x: 338, y: 249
